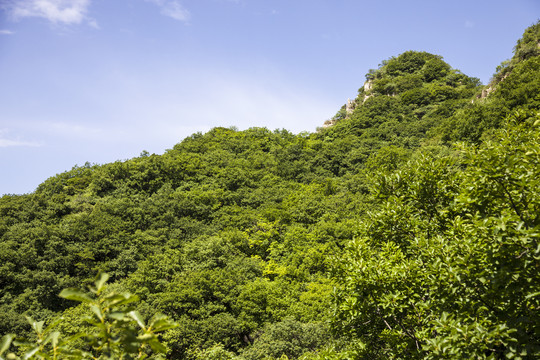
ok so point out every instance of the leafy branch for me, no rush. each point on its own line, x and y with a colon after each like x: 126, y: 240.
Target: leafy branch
x: 117, y: 331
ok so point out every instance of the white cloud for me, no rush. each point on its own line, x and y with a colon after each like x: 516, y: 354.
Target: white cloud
x: 173, y: 9
x: 11, y: 143
x: 56, y: 11
x: 5, y: 142
x: 225, y: 99
x: 6, y: 32
x: 93, y: 23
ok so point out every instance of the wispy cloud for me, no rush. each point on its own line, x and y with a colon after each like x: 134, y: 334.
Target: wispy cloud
x: 11, y: 143
x: 6, y: 32
x: 56, y: 11
x: 93, y: 23
x: 5, y: 142
x: 173, y: 9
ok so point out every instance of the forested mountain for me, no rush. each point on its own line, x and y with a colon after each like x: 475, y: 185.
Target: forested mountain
x: 407, y: 229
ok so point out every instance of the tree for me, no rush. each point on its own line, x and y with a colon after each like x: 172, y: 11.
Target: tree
x: 448, y: 268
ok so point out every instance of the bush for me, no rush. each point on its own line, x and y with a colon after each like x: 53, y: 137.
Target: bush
x: 116, y: 330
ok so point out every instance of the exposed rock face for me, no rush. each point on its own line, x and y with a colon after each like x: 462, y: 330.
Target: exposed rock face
x: 352, y: 104
x: 491, y: 88
x: 349, y: 108
x: 368, y: 85
x: 486, y: 92
x: 329, y: 123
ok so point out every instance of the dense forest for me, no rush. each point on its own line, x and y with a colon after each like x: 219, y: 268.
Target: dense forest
x: 408, y: 229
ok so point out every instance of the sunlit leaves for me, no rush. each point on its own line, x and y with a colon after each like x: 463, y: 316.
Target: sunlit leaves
x: 448, y: 267
x: 112, y: 333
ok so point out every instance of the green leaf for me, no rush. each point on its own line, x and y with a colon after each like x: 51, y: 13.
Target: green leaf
x: 96, y: 310
x: 157, y: 346
x: 146, y: 337
x: 36, y: 325
x: 121, y: 299
x: 117, y: 315
x: 30, y: 353
x: 532, y: 295
x: 137, y: 317
x: 100, y: 282
x: 162, y: 325
x: 53, y: 324
x: 74, y: 337
x: 76, y: 295
x: 6, y: 342
x: 53, y: 338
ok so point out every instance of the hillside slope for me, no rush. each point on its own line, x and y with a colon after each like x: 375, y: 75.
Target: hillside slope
x: 372, y: 238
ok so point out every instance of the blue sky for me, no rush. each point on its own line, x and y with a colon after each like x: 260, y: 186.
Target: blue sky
x: 103, y: 80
